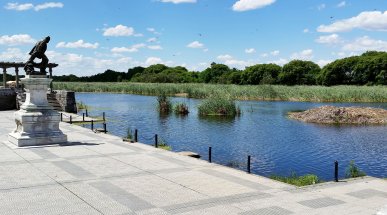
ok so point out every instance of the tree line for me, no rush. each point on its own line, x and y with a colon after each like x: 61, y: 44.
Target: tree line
x: 369, y: 68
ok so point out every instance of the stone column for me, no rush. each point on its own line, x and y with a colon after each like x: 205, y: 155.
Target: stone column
x: 17, y: 77
x: 4, y: 77
x: 50, y: 70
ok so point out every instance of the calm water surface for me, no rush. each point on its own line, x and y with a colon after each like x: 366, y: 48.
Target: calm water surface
x: 278, y: 145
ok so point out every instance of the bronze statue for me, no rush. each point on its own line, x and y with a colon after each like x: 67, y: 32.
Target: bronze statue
x: 38, y: 52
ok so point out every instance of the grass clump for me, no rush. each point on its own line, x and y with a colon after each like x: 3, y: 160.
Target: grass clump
x: 181, y: 109
x: 299, y: 181
x: 218, y: 106
x: 353, y: 171
x: 162, y: 144
x: 164, y: 104
x: 81, y: 106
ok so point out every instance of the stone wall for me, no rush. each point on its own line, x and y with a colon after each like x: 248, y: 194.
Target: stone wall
x: 66, y: 100
x: 7, y: 99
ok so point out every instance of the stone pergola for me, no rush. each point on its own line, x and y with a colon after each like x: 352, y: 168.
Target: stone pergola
x: 17, y: 65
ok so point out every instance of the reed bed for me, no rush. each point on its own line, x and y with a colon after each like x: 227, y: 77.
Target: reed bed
x: 245, y: 92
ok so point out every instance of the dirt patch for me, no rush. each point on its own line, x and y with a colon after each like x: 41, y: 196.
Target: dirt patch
x: 342, y: 115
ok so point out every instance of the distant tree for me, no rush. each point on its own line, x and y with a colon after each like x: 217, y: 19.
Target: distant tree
x: 299, y: 72
x: 213, y: 73
x: 133, y: 71
x: 156, y: 68
x: 261, y: 74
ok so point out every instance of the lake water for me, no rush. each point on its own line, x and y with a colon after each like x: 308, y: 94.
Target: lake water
x: 277, y: 145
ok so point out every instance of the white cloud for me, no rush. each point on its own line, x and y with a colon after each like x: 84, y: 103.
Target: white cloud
x: 156, y: 60
x: 152, y: 30
x: 322, y: 63
x: 178, y: 1
x: 48, y: 5
x: 329, y: 39
x: 244, y: 5
x: 224, y: 57
x: 152, y: 40
x: 134, y: 48
x: 280, y: 61
x: 13, y: 55
x: 29, y: 6
x: 321, y: 7
x: 19, y: 7
x: 341, y: 4
x: 17, y: 39
x: 195, y: 45
x: 306, y: 54
x: 369, y: 20
x: 275, y: 53
x: 306, y: 30
x: 119, y: 31
x: 365, y: 44
x: 156, y: 47
x: 250, y: 51
x: 77, y: 44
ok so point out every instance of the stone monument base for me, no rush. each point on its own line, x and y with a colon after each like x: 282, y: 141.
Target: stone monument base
x: 37, y: 128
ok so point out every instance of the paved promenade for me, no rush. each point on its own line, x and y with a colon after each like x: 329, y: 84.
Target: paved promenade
x: 100, y: 174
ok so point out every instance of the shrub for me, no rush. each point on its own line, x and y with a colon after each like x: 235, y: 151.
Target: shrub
x: 353, y: 171
x: 218, y: 106
x: 181, y: 108
x: 299, y: 181
x: 164, y: 104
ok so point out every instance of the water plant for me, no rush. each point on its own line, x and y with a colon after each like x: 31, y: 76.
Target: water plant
x: 164, y: 104
x: 81, y: 106
x: 218, y: 106
x: 162, y: 144
x: 181, y: 109
x: 294, y: 179
x: 129, y: 135
x: 353, y: 171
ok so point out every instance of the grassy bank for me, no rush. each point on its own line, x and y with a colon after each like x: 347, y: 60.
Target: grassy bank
x: 245, y: 92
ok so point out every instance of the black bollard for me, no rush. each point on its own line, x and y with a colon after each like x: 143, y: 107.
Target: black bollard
x: 92, y: 125
x: 71, y: 119
x: 336, y: 171
x: 248, y: 164
x: 87, y: 114
x: 61, y: 117
x: 210, y: 154
x: 104, y: 128
x: 156, y: 141
x: 103, y: 116
x: 135, y: 135
x: 83, y: 117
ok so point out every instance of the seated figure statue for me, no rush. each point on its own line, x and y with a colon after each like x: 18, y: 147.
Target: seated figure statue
x: 38, y: 51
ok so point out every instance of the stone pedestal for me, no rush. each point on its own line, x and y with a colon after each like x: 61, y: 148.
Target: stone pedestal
x: 37, y: 123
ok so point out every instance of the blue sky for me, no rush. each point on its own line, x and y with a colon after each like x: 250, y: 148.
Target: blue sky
x: 89, y: 36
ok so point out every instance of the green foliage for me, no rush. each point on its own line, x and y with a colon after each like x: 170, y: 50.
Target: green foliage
x: 164, y: 104
x: 298, y: 72
x: 353, y: 171
x: 299, y: 181
x: 81, y: 106
x: 217, y: 105
x: 162, y: 144
x: 261, y: 74
x: 237, y: 92
x: 129, y: 134
x: 213, y: 74
x: 181, y: 109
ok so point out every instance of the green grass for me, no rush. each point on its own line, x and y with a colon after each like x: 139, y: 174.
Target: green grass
x: 299, y: 181
x: 181, y: 109
x: 163, y: 145
x: 164, y: 104
x: 245, y: 92
x: 81, y: 106
x: 353, y: 171
x: 218, y: 106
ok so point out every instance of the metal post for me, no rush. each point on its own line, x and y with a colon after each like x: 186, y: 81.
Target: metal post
x: 17, y: 77
x: 83, y: 117
x: 61, y: 117
x: 248, y: 164
x: 71, y: 119
x: 135, y: 135
x: 336, y: 171
x: 4, y: 76
x: 210, y: 154
x: 103, y: 116
x: 156, y: 141
x: 92, y: 124
x: 104, y: 128
x: 87, y: 114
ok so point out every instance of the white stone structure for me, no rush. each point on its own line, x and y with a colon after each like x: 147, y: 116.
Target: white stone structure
x: 37, y: 123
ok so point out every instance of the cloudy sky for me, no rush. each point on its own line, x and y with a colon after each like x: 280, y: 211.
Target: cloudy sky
x: 89, y: 36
